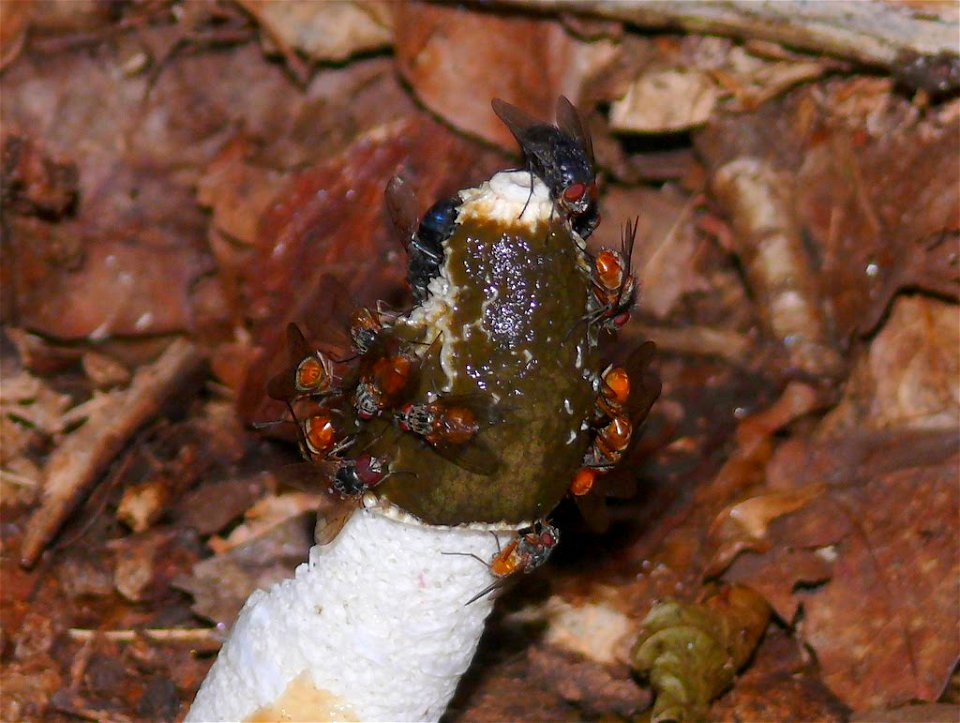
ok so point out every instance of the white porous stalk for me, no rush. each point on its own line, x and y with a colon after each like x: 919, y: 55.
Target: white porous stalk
x: 374, y: 627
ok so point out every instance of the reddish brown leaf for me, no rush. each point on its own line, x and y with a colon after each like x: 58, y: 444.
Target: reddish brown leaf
x: 884, y: 626
x: 457, y: 60
x: 330, y: 219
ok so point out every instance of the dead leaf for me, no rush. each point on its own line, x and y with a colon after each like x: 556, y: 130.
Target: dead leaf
x: 222, y: 583
x: 781, y: 683
x: 14, y: 23
x: 886, y: 540
x: 324, y: 31
x: 457, y: 60
x: 665, y: 101
x: 743, y: 526
x: 909, y: 377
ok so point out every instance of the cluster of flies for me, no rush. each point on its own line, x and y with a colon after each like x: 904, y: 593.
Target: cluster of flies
x: 330, y: 395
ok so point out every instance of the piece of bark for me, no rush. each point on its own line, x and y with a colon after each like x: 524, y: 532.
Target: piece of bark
x: 884, y: 34
x: 76, y: 463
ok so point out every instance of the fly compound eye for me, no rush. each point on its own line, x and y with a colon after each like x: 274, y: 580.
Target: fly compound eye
x: 583, y: 482
x: 574, y: 192
x: 576, y: 198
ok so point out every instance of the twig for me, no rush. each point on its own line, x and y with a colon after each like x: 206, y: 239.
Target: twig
x: 697, y: 340
x: 204, y: 638
x: 76, y: 463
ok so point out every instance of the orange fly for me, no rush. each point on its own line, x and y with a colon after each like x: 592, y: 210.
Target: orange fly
x: 450, y: 425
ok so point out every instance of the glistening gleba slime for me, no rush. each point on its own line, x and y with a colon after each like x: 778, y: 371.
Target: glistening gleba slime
x: 454, y: 426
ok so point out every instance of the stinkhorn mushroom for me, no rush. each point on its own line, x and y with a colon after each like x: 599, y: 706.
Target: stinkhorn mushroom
x: 385, y: 616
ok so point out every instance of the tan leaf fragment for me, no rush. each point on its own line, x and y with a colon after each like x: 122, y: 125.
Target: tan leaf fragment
x: 910, y: 377
x: 665, y: 101
x: 324, y: 30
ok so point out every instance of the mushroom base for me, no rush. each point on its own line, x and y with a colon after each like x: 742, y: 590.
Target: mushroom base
x: 376, y: 621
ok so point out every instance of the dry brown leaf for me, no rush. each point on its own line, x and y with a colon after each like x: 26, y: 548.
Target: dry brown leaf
x: 909, y: 377
x: 457, y: 60
x: 780, y: 684
x: 324, y: 31
x: 665, y: 253
x: 665, y: 101
x: 743, y: 526
x: 883, y: 626
x: 264, y: 515
x: 220, y: 584
x: 14, y: 22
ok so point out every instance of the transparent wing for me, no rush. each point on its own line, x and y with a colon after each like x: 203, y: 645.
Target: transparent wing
x: 571, y: 123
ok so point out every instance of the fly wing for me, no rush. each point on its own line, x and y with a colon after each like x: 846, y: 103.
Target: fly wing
x: 282, y: 387
x: 474, y: 456
x: 402, y: 206
x: 628, y: 239
x: 313, y: 477
x: 485, y: 410
x: 332, y: 514
x: 518, y: 121
x: 570, y: 122
x: 645, y: 385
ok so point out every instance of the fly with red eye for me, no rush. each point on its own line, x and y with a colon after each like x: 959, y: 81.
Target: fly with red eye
x: 340, y: 483
x: 614, y: 288
x: 385, y: 382
x: 308, y: 373
x: 529, y: 549
x: 561, y: 156
x: 609, y: 468
x: 389, y: 375
x: 350, y: 330
x: 450, y: 425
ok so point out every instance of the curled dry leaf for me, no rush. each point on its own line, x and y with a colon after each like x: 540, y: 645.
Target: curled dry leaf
x: 665, y: 101
x: 691, y: 653
x: 220, y: 584
x: 743, y: 526
x: 665, y: 257
x: 909, y: 377
x: 456, y: 60
x: 874, y: 563
x: 324, y: 31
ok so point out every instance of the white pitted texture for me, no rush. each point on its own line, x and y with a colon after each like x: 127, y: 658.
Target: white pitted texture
x: 377, y: 619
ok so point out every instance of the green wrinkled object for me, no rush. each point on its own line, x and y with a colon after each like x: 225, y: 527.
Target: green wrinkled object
x: 691, y: 652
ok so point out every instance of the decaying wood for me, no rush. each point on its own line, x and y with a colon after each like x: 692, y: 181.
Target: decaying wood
x: 768, y: 239
x: 76, y: 463
x: 874, y: 33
